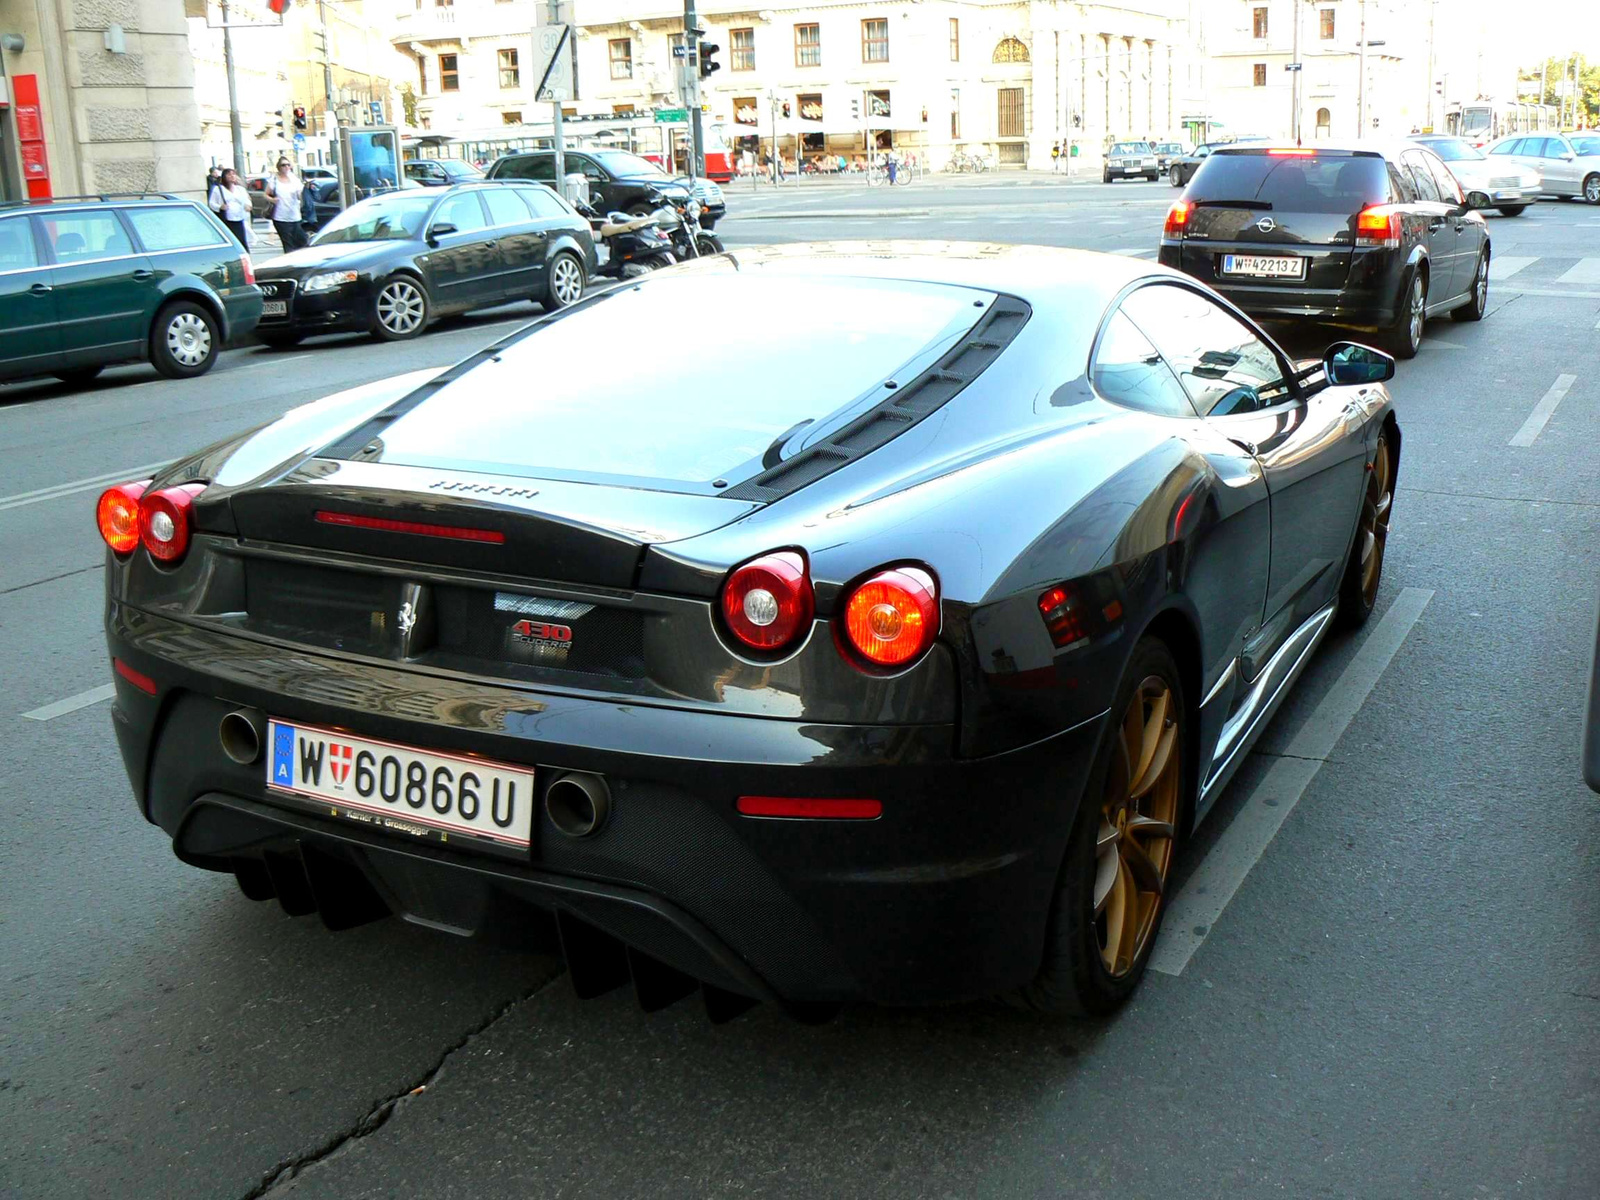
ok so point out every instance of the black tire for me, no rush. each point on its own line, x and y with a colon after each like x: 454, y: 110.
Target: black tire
x: 279, y: 341
x: 78, y: 376
x: 709, y: 243
x: 1175, y: 177
x: 1358, y: 593
x: 1153, y: 176
x: 1512, y: 210
x: 564, y: 282
x: 1073, y: 978
x: 1404, y: 336
x: 400, y: 308
x: 184, y: 340
x: 640, y: 209
x: 1105, y: 176
x: 1591, y: 188
x: 1474, y: 310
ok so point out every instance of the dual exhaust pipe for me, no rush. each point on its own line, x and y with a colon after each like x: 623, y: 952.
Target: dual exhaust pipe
x: 576, y: 802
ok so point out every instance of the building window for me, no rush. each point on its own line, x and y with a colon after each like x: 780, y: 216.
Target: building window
x: 1325, y: 21
x: 1011, y: 117
x: 809, y: 105
x: 808, y: 45
x: 1324, y: 123
x: 875, y: 41
x: 621, y: 58
x: 746, y: 111
x: 449, y: 76
x: 1259, y: 74
x: 877, y: 104
x: 955, y: 113
x: 955, y: 39
x: 512, y: 117
x: 744, y: 49
x: 1011, y: 50
x: 1258, y: 22
x: 510, y: 70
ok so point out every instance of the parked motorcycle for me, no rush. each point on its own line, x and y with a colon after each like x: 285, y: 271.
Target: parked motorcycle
x: 682, y: 225
x: 630, y: 246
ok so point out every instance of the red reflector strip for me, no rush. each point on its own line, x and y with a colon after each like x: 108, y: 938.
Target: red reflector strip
x: 387, y: 525
x: 807, y: 806
x: 138, y: 678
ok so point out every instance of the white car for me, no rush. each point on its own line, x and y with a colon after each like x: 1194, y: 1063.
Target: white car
x: 1568, y: 164
x: 1505, y: 185
x: 1128, y: 159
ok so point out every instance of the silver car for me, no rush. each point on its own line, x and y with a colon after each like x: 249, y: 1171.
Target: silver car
x: 1569, y: 163
x: 1126, y: 159
x: 1487, y: 183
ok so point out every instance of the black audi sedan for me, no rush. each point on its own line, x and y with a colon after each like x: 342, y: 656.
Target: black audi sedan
x: 903, y: 678
x: 1368, y: 236
x: 390, y: 264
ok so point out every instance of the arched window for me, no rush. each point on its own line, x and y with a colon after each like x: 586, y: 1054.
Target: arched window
x: 1324, y: 122
x: 1011, y: 50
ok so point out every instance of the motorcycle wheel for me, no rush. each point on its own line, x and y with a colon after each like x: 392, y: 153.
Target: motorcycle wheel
x: 709, y: 243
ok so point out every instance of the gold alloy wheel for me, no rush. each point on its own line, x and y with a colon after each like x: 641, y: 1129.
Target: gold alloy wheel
x: 1375, y: 520
x: 1133, y: 851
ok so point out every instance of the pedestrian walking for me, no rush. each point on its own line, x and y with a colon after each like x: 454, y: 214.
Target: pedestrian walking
x: 1055, y: 157
x: 287, y: 192
x: 213, y: 178
x: 231, y: 202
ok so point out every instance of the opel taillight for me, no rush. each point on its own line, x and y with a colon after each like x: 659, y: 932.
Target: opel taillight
x: 1379, y: 227
x: 117, y: 516
x: 893, y: 617
x: 1177, y: 219
x: 166, y: 523
x: 767, y: 603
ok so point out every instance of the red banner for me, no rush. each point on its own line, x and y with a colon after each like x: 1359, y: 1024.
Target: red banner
x: 30, y: 134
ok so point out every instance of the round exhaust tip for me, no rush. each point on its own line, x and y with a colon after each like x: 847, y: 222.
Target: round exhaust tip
x: 577, y: 804
x: 240, y: 734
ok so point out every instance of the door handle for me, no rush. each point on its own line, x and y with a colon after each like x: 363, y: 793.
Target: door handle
x: 1435, y: 223
x: 40, y: 289
x: 141, y: 275
x: 1248, y: 447
x: 491, y: 245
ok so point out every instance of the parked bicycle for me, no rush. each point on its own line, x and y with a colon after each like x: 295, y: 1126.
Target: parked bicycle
x: 961, y: 162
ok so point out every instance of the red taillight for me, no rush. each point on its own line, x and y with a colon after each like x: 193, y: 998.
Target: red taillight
x: 138, y: 678
x: 1177, y: 219
x: 165, y: 523
x: 1379, y: 226
x: 824, y: 808
x: 249, y: 268
x: 893, y: 617
x: 1063, y: 617
x: 767, y: 603
x: 117, y: 515
x: 460, y: 533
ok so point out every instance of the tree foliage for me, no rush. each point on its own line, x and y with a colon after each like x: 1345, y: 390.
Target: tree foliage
x: 1555, y: 70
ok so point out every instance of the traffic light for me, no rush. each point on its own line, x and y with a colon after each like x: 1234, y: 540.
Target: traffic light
x: 299, y: 117
x: 708, y: 60
x: 279, y: 7
x: 785, y: 110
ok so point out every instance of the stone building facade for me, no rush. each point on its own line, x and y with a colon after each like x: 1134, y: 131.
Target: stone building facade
x: 115, y: 107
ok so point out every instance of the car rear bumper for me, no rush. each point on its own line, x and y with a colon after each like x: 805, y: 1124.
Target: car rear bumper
x: 242, y: 308
x: 944, y: 897
x: 1361, y: 307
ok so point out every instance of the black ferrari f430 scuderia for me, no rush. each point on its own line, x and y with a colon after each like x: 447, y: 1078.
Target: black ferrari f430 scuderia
x: 889, y: 653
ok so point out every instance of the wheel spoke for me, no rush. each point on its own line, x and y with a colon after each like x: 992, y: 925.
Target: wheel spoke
x: 1105, y: 874
x: 1160, y: 760
x: 1150, y: 735
x: 1143, y: 872
x: 1119, y: 903
x: 1142, y: 826
x: 1369, y: 542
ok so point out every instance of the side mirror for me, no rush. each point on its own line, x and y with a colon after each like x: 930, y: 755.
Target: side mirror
x: 439, y: 230
x: 1352, y: 363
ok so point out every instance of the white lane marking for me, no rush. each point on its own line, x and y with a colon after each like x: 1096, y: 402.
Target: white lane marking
x: 71, y: 704
x: 1197, y: 908
x: 1504, y: 266
x: 1585, y: 270
x: 1132, y: 253
x: 1542, y: 411
x: 40, y: 495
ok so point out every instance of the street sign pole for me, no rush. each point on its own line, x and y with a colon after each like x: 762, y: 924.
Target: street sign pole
x: 691, y: 96
x: 555, y: 104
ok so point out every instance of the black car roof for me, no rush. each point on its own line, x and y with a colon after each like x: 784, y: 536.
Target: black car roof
x: 1378, y: 147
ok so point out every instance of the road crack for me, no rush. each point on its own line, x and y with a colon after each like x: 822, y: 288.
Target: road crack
x: 21, y: 587
x: 375, y: 1118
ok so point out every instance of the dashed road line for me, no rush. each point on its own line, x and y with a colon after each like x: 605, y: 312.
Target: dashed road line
x: 1585, y: 270
x: 1504, y: 266
x: 71, y: 704
x: 1196, y: 909
x: 40, y: 495
x: 1542, y: 411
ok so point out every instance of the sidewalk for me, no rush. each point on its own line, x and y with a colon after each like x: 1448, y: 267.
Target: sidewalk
x: 1008, y: 177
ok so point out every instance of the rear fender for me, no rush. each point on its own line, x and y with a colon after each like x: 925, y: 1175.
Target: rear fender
x: 191, y: 287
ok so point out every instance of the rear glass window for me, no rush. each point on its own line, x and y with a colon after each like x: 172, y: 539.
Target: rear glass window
x: 172, y: 228
x: 534, y: 167
x: 1314, y: 183
x: 593, y: 396
x: 1586, y: 145
x: 16, y: 245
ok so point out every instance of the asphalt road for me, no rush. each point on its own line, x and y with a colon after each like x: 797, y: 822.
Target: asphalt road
x: 1380, y: 978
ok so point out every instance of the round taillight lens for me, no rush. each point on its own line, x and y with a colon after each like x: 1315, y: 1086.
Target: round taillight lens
x: 893, y: 617
x: 767, y: 603
x: 164, y: 522
x: 117, y: 516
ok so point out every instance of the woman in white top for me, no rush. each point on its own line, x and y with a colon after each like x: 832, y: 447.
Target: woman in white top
x: 285, y: 192
x: 231, y: 202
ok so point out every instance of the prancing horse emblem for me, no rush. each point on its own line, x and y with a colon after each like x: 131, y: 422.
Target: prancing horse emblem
x: 1266, y: 224
x: 408, y: 617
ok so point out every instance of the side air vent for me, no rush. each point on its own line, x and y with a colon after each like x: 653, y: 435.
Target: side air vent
x: 925, y: 394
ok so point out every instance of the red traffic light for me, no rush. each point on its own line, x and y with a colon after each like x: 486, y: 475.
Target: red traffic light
x: 279, y: 6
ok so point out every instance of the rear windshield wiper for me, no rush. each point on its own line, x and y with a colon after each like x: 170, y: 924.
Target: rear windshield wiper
x: 1260, y: 204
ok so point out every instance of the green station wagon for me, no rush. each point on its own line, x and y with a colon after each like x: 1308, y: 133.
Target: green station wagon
x: 90, y: 281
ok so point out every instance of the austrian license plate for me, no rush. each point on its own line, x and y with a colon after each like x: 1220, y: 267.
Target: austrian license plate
x: 275, y: 308
x: 1289, y: 266
x: 415, y: 793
